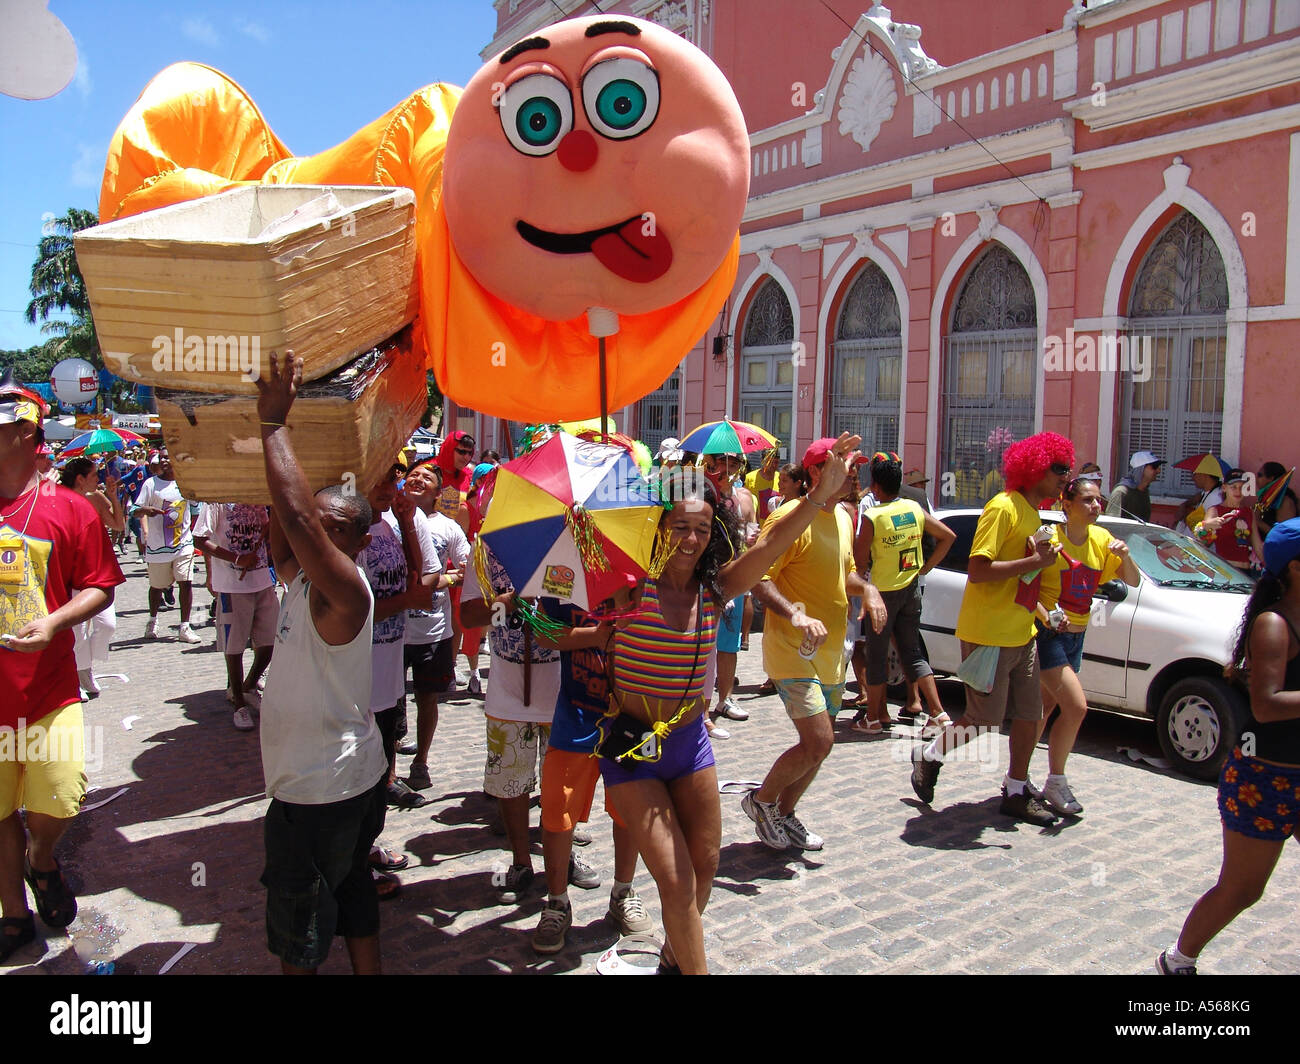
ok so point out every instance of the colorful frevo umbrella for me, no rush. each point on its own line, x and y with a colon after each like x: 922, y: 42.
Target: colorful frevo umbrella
x: 728, y: 437
x: 101, y: 441
x: 572, y: 519
x: 1205, y: 463
x: 1271, y: 495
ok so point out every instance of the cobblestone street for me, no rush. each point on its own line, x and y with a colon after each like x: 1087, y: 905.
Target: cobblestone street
x: 899, y: 888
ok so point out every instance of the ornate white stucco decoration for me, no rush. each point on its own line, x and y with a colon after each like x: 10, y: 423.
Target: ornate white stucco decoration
x: 1176, y: 175
x: 988, y: 218
x: 675, y: 17
x: 906, y: 39
x: 868, y: 99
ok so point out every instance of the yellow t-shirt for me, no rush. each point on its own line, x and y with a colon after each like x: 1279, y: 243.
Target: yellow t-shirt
x: 895, y: 543
x: 812, y: 572
x: 1079, y: 568
x: 1000, y: 613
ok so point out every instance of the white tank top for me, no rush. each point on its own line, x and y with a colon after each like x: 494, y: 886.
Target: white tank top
x: 319, y: 739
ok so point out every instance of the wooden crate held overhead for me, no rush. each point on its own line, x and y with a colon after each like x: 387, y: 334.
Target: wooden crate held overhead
x: 195, y: 296
x: 346, y: 428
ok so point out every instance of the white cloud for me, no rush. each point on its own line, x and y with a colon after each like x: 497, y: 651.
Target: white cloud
x: 255, y: 30
x: 200, y: 30
x: 88, y: 168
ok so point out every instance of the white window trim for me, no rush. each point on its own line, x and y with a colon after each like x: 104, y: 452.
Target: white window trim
x: 1176, y: 192
x: 765, y: 268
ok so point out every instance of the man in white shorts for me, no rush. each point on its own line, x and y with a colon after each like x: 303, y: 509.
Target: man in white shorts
x: 233, y: 537
x: 169, y: 545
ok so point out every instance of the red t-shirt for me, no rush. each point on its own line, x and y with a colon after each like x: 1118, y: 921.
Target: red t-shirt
x: 64, y: 548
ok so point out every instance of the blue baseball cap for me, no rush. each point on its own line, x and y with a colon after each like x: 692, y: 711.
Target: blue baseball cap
x: 1282, y: 545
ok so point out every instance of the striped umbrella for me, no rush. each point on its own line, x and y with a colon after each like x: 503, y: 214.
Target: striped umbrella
x: 101, y: 441
x: 1272, y: 495
x: 728, y: 437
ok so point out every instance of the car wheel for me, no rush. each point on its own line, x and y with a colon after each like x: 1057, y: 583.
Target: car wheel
x: 1198, y: 723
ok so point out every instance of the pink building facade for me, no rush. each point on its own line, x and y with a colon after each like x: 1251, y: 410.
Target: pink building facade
x: 972, y: 222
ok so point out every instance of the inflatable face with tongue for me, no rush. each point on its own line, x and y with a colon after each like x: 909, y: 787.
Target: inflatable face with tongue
x: 601, y: 163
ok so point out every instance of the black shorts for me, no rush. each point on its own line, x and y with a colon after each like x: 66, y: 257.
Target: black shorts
x: 317, y: 874
x: 432, y: 665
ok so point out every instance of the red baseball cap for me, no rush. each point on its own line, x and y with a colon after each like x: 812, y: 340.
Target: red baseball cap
x: 819, y: 449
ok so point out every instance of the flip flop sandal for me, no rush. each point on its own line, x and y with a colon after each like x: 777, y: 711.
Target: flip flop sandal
x: 387, y: 860
x: 868, y: 727
x: 387, y: 886
x: 11, y: 944
x: 56, y: 903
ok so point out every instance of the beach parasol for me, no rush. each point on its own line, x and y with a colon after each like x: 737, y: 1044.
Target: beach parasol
x: 1205, y: 463
x: 728, y: 437
x: 101, y: 441
x: 573, y: 519
x: 1271, y: 496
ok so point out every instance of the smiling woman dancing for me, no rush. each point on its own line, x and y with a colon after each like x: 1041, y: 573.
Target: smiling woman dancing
x: 655, y: 754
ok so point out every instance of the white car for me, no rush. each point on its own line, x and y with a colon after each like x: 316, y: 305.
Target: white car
x: 1155, y: 651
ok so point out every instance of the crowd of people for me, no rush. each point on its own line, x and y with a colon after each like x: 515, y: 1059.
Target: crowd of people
x: 832, y: 550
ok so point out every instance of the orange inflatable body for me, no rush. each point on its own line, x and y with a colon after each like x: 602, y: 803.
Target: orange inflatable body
x: 602, y: 163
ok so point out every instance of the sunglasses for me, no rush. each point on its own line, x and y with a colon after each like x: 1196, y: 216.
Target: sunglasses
x: 1059, y: 469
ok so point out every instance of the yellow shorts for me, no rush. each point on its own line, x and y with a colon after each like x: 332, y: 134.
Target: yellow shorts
x: 43, y: 765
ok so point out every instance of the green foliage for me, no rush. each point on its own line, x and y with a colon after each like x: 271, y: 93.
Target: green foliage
x: 57, y: 286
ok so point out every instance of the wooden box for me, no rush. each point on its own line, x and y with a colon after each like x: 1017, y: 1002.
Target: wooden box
x: 347, y: 427
x: 195, y: 296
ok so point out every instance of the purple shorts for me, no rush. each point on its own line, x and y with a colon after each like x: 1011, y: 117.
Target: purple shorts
x: 686, y: 750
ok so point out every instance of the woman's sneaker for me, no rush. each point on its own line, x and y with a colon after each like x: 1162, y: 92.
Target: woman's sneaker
x: 768, y: 822
x: 1060, y: 799
x: 628, y: 911
x: 1163, y: 967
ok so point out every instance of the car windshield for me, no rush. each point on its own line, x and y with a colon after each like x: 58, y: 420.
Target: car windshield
x: 1174, y: 560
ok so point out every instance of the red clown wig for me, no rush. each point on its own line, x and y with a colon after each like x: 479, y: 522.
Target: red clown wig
x: 1027, y: 461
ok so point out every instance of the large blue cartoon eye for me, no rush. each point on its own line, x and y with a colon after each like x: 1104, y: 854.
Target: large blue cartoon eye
x: 621, y: 97
x: 536, y: 112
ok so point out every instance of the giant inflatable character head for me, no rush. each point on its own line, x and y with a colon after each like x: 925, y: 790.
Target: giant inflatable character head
x: 602, y: 163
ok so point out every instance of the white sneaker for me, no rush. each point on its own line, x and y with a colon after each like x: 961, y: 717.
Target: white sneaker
x: 252, y: 699
x: 768, y: 821
x: 151, y: 629
x: 717, y: 732
x: 188, y: 635
x: 731, y: 711
x: 1060, y: 799
x: 243, y: 719
x: 475, y: 684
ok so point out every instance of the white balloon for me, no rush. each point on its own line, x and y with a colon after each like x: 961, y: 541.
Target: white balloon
x: 75, y: 381
x: 38, y: 56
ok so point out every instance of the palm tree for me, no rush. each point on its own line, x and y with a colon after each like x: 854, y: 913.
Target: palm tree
x: 57, y: 285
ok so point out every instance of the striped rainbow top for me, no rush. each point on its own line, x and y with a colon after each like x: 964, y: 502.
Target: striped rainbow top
x: 655, y: 660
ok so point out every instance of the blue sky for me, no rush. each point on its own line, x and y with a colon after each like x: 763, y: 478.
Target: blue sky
x: 317, y: 71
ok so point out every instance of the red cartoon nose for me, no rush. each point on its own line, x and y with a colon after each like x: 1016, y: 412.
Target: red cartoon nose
x: 577, y: 151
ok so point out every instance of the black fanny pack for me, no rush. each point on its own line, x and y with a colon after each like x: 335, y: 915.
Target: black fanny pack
x: 626, y: 736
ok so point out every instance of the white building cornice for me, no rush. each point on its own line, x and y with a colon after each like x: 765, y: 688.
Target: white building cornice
x: 1047, y: 138
x: 1195, y: 86
x: 1229, y: 129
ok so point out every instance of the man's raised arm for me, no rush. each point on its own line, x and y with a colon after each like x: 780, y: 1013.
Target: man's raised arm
x: 331, y: 572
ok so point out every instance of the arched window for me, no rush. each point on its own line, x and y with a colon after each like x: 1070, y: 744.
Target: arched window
x: 867, y: 363
x: 767, y: 364
x: 657, y: 413
x: 1173, y: 358
x: 988, y: 382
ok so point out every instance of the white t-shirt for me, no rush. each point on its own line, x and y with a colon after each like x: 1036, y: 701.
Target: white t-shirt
x: 509, y: 646
x: 449, y: 546
x: 168, y: 535
x: 319, y: 740
x: 238, y: 527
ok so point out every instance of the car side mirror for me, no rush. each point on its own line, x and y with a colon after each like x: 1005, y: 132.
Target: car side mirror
x: 1112, y: 590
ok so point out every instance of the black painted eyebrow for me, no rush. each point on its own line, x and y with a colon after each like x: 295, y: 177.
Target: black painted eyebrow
x: 526, y: 45
x: 597, y: 28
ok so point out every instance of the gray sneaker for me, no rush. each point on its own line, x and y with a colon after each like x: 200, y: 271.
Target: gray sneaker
x: 582, y: 874
x: 799, y: 835
x: 768, y: 822
x: 243, y: 719
x: 581, y: 836
x: 629, y: 913
x: 556, y: 920
x: 1060, y: 799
